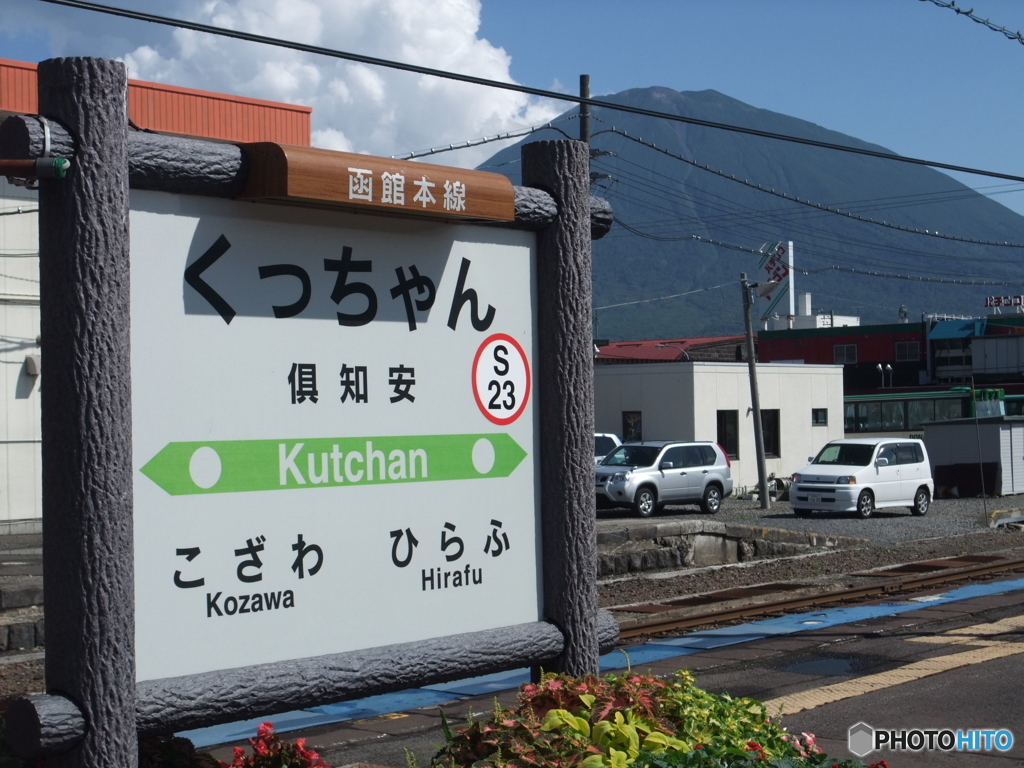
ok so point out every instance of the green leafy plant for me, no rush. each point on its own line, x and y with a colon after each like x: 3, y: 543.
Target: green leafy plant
x: 721, y: 757
x: 628, y: 721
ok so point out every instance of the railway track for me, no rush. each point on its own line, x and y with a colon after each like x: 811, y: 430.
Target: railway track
x: 884, y: 581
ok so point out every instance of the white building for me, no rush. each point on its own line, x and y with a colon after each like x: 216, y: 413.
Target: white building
x: 20, y: 444
x: 801, y: 407
x: 805, y: 318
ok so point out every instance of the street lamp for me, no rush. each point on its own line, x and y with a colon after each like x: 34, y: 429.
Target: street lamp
x: 879, y: 369
x: 673, y: 346
x: 762, y: 474
x: 888, y: 369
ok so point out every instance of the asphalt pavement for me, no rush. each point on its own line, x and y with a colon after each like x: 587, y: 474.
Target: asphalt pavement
x: 914, y: 665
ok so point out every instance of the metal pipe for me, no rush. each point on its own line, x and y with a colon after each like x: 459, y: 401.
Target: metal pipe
x: 585, y: 109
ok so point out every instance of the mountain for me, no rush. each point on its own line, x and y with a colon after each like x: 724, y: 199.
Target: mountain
x: 663, y: 197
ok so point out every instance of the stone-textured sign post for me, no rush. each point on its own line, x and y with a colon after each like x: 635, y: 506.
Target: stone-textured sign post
x: 86, y: 412
x: 94, y: 707
x: 566, y: 381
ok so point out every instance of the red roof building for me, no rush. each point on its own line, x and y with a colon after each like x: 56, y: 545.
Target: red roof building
x: 709, y: 349
x: 181, y: 111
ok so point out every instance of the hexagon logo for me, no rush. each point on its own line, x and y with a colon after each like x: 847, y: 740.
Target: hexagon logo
x: 861, y: 739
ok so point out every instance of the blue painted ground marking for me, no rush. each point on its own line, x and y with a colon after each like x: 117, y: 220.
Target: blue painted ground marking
x: 371, y: 706
x: 638, y: 655
x: 476, y: 686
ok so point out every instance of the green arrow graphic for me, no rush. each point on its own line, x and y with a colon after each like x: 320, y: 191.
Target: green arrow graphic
x: 232, y: 466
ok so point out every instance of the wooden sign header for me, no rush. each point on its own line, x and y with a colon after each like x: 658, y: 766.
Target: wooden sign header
x: 320, y: 176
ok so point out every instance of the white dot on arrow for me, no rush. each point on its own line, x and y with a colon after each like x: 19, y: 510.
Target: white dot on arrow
x: 483, y: 456
x: 204, y: 467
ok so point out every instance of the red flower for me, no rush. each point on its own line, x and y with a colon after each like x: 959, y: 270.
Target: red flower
x: 269, y: 750
x: 756, y: 749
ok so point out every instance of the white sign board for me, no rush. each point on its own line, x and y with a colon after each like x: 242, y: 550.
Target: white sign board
x: 777, y: 266
x: 334, y: 431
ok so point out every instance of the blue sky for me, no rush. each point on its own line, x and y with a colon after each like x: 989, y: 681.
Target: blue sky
x: 906, y: 74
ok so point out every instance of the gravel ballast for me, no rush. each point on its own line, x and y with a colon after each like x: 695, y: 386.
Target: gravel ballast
x: 951, y: 527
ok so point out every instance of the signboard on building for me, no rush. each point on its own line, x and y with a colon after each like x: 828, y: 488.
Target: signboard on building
x: 777, y: 266
x: 333, y: 428
x: 998, y: 302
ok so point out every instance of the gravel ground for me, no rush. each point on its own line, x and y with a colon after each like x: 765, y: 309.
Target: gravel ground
x: 946, y: 517
x: 20, y: 674
x: 951, y: 527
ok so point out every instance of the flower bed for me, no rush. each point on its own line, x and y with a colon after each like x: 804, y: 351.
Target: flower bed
x: 632, y: 720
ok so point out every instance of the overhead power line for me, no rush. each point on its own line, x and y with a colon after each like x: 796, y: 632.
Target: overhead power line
x: 663, y: 298
x: 697, y: 238
x: 391, y: 64
x: 808, y: 203
x: 814, y: 249
x: 745, y: 221
x: 914, y: 278
x: 853, y: 270
x: 977, y: 19
x: 485, y: 140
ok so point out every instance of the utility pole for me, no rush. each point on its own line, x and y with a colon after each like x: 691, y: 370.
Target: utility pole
x: 585, y: 109
x: 762, y: 476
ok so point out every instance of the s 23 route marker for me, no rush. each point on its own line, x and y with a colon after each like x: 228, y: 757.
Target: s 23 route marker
x: 233, y: 466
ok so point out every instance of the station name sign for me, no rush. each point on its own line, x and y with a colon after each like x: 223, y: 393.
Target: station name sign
x: 332, y: 417
x: 279, y: 172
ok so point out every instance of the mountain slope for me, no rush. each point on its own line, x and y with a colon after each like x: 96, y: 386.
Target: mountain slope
x: 665, y: 198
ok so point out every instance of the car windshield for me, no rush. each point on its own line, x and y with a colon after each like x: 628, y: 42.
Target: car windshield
x: 633, y: 456
x: 603, y: 445
x: 854, y: 455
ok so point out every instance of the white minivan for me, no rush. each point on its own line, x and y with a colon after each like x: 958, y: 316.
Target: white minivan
x: 862, y: 475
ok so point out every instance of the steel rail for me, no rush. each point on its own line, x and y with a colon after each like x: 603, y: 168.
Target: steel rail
x: 852, y: 593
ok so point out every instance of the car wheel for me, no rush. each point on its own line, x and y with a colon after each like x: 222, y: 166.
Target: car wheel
x: 712, y: 501
x: 865, y: 504
x: 921, y: 501
x: 802, y: 512
x: 645, y: 501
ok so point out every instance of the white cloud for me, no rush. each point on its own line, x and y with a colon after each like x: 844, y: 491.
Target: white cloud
x: 356, y: 107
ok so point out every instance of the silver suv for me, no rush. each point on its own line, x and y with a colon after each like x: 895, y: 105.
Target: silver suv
x: 646, y: 476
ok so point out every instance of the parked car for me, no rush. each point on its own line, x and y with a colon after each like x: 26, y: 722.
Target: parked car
x: 604, y: 443
x: 864, y: 474
x: 646, y: 476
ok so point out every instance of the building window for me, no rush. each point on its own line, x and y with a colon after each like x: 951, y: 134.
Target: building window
x: 907, y: 351
x: 845, y: 354
x: 632, y: 426
x: 729, y: 433
x: 770, y: 431
x: 819, y: 417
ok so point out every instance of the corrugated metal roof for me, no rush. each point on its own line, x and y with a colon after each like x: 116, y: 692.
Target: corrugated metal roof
x: 183, y: 111
x: 648, y: 351
x: 17, y: 86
